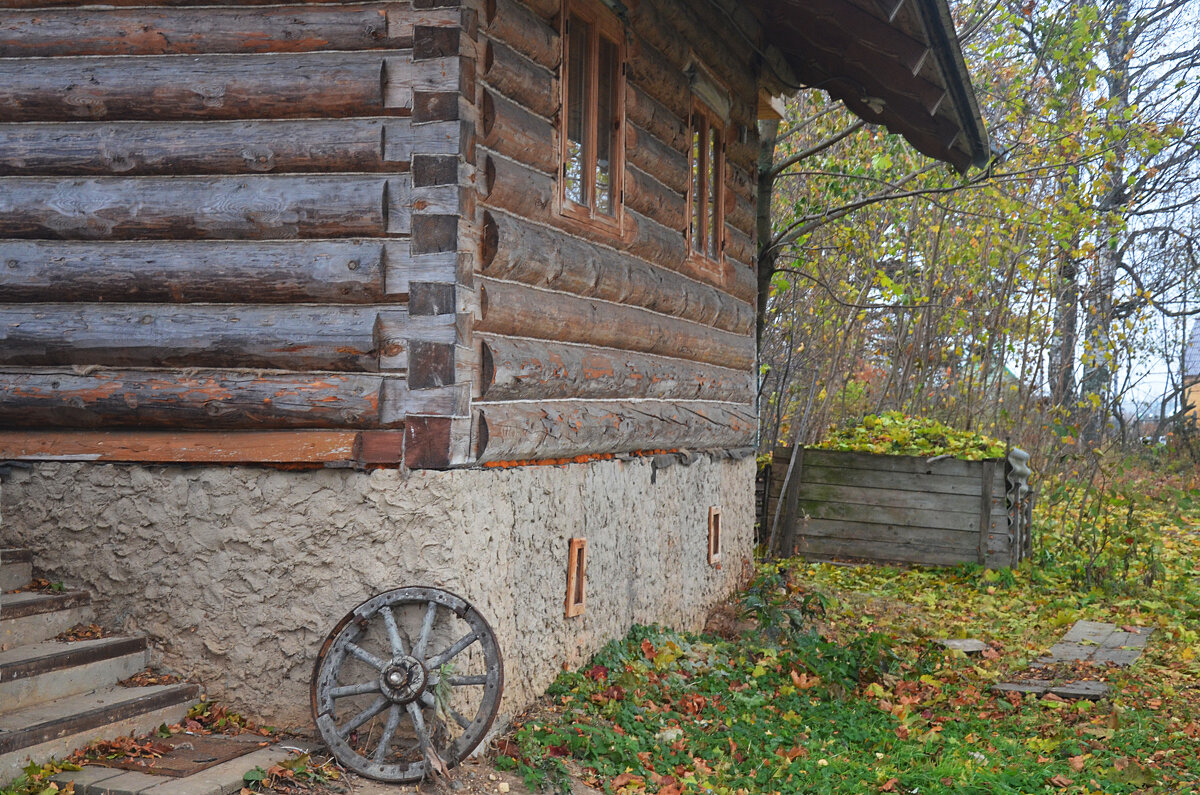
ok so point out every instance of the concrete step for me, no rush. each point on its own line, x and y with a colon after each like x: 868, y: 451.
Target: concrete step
x: 40, y: 672
x: 55, y: 728
x: 16, y: 568
x: 221, y: 779
x: 31, y: 617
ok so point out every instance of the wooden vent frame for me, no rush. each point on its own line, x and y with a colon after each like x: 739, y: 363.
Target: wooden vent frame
x: 714, y: 535
x: 576, y: 599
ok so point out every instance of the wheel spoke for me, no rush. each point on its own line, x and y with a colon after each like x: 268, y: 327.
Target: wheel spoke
x: 459, y: 681
x: 389, y: 619
x: 358, y: 720
x: 449, y: 654
x: 389, y: 730
x: 366, y: 656
x: 418, y: 721
x: 354, y: 690
x: 426, y: 628
x: 431, y: 702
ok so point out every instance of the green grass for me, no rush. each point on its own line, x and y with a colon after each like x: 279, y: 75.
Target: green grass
x: 840, y: 689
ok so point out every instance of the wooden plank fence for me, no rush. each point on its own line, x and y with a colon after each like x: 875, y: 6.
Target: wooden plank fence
x: 896, y: 509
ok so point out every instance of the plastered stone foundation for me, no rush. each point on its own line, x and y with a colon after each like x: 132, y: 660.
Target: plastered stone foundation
x: 238, y: 573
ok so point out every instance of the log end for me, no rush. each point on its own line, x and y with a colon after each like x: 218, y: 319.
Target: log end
x: 487, y: 374
x: 490, y: 245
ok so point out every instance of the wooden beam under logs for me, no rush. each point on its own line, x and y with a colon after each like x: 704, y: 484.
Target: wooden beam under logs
x: 164, y: 31
x: 298, y: 338
x: 516, y: 250
x: 563, y: 429
x: 221, y: 147
x: 243, y: 207
x: 160, y: 87
x: 198, y: 399
x: 525, y: 369
x: 219, y: 447
x: 520, y: 79
x: 326, y: 272
x: 515, y: 310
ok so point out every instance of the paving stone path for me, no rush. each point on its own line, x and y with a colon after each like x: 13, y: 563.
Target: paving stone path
x: 1087, y: 642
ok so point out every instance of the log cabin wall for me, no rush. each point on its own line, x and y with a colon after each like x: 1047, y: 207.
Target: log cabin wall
x: 229, y: 231
x: 594, y: 342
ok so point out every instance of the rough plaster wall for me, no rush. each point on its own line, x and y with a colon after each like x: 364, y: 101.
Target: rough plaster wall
x: 238, y: 573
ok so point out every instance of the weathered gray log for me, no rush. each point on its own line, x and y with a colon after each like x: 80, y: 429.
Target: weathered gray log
x: 159, y: 31
x: 520, y: 79
x: 875, y: 479
x: 525, y: 369
x: 246, y: 207
x: 657, y: 159
x: 220, y: 147
x: 953, y: 467
x: 536, y: 255
x: 299, y: 85
x: 523, y: 29
x: 816, y: 548
x: 897, y: 498
x: 202, y: 399
x: 549, y: 429
x: 653, y: 199
x: 654, y: 117
x: 516, y: 310
x: 333, y: 272
x: 511, y: 130
x: 339, y: 338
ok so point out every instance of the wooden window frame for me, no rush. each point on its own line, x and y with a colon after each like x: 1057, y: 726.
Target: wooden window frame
x: 704, y: 119
x: 714, y: 536
x: 604, y: 22
x: 576, y: 599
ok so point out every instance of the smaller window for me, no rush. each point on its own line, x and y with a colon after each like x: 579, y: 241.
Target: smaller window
x: 706, y: 214
x: 593, y: 99
x: 576, y: 576
x: 714, y: 536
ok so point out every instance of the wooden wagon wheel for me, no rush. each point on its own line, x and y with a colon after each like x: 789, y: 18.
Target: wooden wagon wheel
x: 406, y: 684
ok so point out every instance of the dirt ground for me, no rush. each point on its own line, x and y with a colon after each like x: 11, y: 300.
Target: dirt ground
x: 473, y: 777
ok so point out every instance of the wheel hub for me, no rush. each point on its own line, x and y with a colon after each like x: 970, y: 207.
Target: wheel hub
x: 404, y: 680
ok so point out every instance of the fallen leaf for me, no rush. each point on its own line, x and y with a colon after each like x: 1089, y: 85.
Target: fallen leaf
x: 1061, y: 781
x: 1076, y: 762
x: 889, y: 785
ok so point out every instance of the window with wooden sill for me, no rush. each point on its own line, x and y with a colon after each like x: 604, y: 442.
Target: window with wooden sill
x: 706, y: 212
x: 593, y: 101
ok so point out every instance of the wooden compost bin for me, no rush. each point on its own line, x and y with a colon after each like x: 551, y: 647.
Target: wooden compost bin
x: 898, y: 509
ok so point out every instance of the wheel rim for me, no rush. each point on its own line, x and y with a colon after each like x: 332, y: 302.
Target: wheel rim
x: 408, y: 681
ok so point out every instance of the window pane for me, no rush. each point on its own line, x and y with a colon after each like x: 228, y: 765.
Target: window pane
x: 577, y: 72
x: 714, y: 225
x: 697, y: 196
x: 606, y: 119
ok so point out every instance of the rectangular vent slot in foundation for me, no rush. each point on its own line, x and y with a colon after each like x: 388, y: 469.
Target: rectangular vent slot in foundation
x: 714, y: 536
x: 576, y: 573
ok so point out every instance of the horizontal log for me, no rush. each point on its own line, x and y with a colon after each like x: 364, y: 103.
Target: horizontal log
x: 549, y: 429
x: 201, y: 399
x: 218, y: 447
x: 523, y: 29
x: 740, y: 248
x: 165, y: 31
x: 913, y: 517
x: 542, y: 257
x: 647, y: 152
x: 299, y: 85
x: 220, y: 147
x: 654, y: 73
x: 872, y: 498
x: 875, y: 479
x: 516, y: 310
x: 510, y: 186
x: 653, y: 199
x: 520, y: 79
x: 646, y: 112
x: 888, y: 463
x: 298, y: 338
x: 740, y: 214
x: 335, y: 272
x: 511, y: 130
x: 742, y: 182
x: 244, y: 207
x: 525, y: 369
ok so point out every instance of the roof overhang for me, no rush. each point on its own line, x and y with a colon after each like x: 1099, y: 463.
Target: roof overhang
x: 892, y: 62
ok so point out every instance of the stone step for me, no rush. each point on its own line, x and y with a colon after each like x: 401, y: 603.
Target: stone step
x: 55, y: 728
x: 222, y: 779
x: 16, y: 568
x: 32, y: 617
x: 40, y: 672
